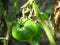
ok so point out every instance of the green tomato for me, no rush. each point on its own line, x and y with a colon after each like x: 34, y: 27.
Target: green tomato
x: 38, y: 35
x: 24, y: 29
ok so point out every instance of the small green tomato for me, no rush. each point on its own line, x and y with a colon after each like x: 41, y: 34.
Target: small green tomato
x: 24, y: 29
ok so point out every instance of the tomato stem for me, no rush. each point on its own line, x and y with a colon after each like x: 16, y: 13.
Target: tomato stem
x: 23, y: 13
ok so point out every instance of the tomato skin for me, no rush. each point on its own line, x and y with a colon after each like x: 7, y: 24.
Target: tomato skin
x: 38, y: 35
x: 24, y: 29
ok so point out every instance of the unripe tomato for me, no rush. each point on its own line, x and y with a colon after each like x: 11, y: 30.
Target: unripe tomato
x: 38, y: 35
x: 24, y: 29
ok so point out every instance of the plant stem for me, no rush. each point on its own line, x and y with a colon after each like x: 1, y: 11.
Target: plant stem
x: 23, y: 13
x: 2, y: 38
x: 15, y: 8
x: 25, y: 4
x: 46, y: 29
x: 9, y: 26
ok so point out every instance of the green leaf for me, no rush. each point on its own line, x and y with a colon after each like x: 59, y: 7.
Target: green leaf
x: 38, y: 13
x: 44, y: 15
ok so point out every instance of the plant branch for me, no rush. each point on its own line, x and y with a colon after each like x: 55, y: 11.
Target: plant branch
x: 40, y: 19
x: 2, y: 38
x: 9, y: 26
